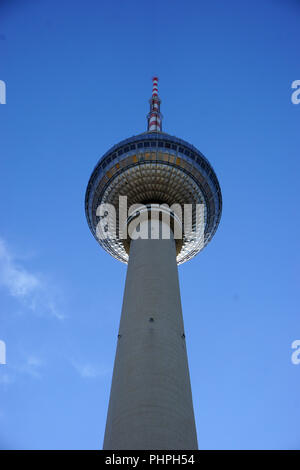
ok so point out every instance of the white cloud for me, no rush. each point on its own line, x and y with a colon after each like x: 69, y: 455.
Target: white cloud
x: 28, y: 288
x: 31, y: 367
x: 18, y: 281
x: 89, y: 371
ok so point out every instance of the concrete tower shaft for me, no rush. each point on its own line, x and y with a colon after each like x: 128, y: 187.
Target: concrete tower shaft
x: 151, y: 402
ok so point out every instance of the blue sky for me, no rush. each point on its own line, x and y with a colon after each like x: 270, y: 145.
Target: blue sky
x: 78, y: 77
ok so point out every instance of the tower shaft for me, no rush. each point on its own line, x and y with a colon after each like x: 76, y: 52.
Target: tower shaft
x: 150, y: 403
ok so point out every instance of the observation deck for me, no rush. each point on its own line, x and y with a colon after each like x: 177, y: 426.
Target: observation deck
x: 154, y: 168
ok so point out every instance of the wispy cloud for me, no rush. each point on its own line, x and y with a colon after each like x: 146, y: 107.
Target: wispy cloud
x: 90, y: 371
x: 31, y: 367
x: 28, y: 288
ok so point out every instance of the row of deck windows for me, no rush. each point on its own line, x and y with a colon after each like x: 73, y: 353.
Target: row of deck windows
x: 150, y: 144
x: 161, y: 144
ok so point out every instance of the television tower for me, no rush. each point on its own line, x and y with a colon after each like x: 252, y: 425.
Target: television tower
x: 156, y: 175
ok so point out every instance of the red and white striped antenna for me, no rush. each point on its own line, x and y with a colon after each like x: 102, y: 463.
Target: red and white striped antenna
x: 154, y: 117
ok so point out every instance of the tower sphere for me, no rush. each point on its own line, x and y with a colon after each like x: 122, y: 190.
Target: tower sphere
x: 154, y: 168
